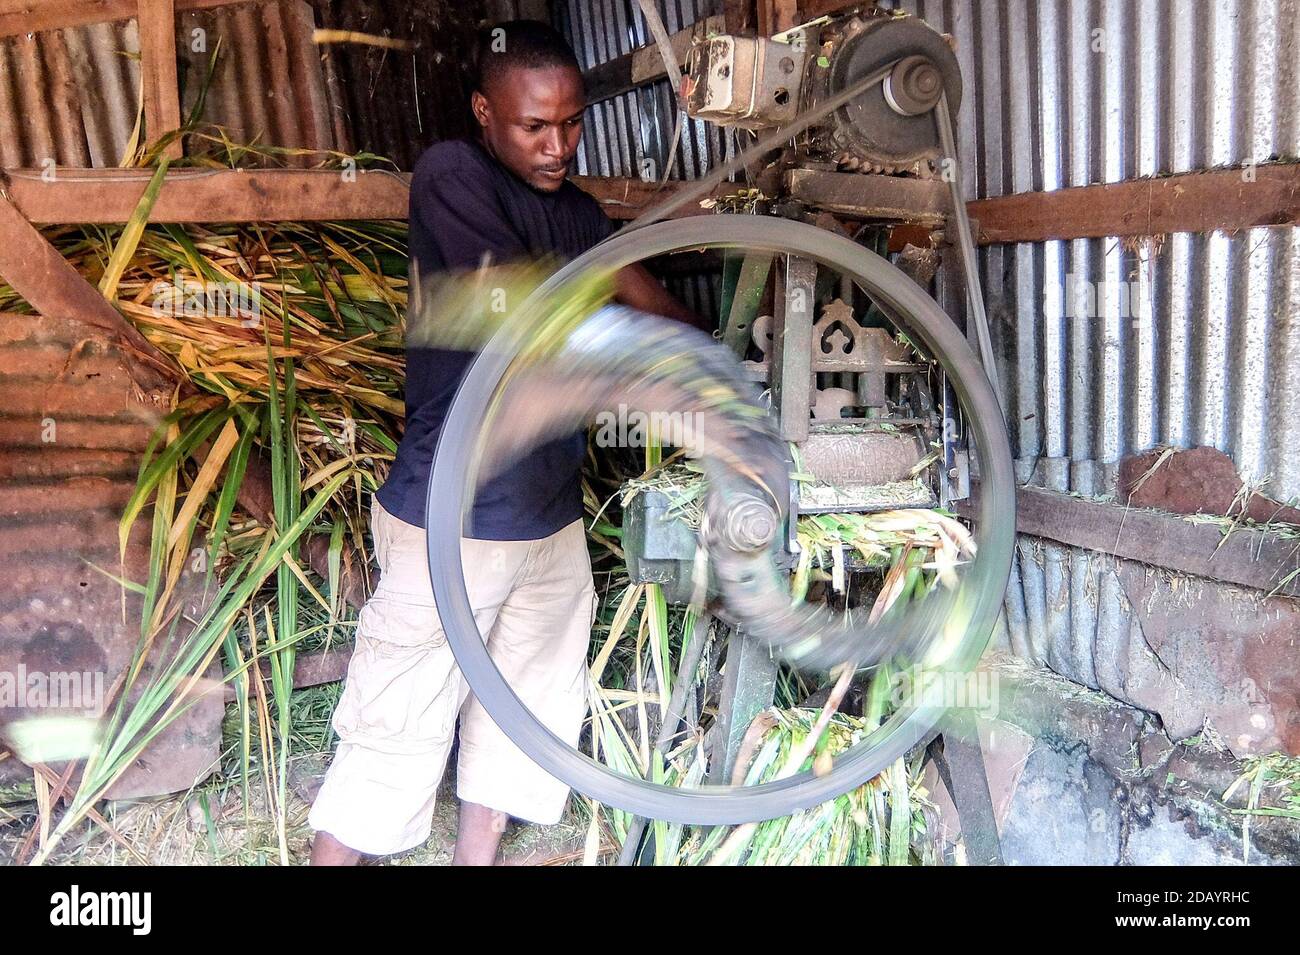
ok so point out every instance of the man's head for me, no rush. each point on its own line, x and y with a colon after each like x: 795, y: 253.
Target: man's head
x: 528, y: 100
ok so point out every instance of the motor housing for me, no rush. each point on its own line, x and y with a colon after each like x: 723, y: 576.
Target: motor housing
x: 758, y: 83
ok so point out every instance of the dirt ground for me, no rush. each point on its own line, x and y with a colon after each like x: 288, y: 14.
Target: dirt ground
x: 209, y: 826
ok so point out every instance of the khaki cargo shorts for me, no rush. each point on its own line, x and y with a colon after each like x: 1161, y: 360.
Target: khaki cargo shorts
x: 535, y: 602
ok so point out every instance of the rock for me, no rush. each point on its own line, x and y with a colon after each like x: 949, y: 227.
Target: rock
x: 1166, y: 840
x: 1193, y: 481
x: 1214, y: 653
x: 1079, y: 779
x: 1067, y: 809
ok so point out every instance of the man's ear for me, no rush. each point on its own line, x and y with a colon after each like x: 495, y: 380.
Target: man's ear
x: 479, y: 104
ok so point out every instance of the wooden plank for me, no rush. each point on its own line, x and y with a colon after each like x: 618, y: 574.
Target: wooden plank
x: 738, y: 15
x: 32, y: 16
x: 162, y: 103
x: 53, y: 287
x: 1218, y: 200
x: 777, y: 16
x: 923, y: 201
x: 207, y: 195
x: 1194, y: 202
x: 627, y: 198
x: 812, y: 9
x: 1250, y: 558
x: 644, y: 64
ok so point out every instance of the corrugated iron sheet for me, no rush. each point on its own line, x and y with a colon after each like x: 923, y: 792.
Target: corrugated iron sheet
x: 632, y: 134
x: 1070, y: 92
x: 268, y: 86
x: 73, y: 95
x: 622, y: 132
x: 397, y: 103
x: 69, y: 96
x: 1065, y: 93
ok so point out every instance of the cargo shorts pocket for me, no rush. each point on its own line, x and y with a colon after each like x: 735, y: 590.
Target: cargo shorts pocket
x: 404, y: 621
x: 402, y: 687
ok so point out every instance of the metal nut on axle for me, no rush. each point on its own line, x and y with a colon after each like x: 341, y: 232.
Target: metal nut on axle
x: 750, y: 525
x: 913, y: 86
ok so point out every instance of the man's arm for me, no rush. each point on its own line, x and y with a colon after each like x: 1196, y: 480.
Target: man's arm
x: 636, y: 287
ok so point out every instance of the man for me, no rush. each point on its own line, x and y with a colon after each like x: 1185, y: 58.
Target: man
x: 500, y: 197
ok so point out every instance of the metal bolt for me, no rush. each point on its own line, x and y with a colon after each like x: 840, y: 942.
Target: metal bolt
x: 750, y: 526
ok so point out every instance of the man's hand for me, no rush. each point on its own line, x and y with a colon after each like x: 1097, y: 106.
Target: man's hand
x: 637, y: 288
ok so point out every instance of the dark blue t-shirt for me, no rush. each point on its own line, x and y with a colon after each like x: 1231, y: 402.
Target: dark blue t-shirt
x: 464, y: 206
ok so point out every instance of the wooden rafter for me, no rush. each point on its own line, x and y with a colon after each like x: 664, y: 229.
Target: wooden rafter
x: 1220, y: 200
x: 162, y: 105
x: 43, y: 277
x: 644, y: 64
x: 32, y: 16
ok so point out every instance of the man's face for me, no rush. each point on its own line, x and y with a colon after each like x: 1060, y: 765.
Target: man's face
x: 532, y: 121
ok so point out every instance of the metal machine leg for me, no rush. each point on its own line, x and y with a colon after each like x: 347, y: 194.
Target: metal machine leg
x: 960, y: 761
x: 748, y: 686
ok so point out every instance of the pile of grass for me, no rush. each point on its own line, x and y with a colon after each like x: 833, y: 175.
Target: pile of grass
x: 308, y: 384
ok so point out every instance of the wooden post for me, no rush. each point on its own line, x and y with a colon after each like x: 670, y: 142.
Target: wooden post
x: 776, y: 16
x: 162, y: 104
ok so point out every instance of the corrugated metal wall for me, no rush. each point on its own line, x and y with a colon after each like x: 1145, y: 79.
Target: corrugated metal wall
x: 621, y: 133
x: 72, y: 95
x: 1196, y: 338
x: 69, y: 95
x: 397, y: 103
x: 1070, y: 92
x: 1207, y: 349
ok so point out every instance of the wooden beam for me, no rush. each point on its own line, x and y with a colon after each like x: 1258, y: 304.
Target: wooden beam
x: 925, y: 201
x: 1250, y: 558
x: 644, y: 64
x: 1224, y: 200
x: 48, y: 283
x: 777, y: 16
x: 1213, y: 200
x: 738, y: 16
x: 626, y: 198
x: 812, y: 9
x: 32, y: 16
x: 207, y: 195
x: 162, y: 102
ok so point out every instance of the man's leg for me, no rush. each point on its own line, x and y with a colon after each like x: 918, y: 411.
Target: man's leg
x: 326, y: 850
x: 539, y: 644
x: 478, y: 836
x: 397, y: 715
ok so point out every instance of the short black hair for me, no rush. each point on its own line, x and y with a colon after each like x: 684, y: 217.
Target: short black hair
x: 529, y: 44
